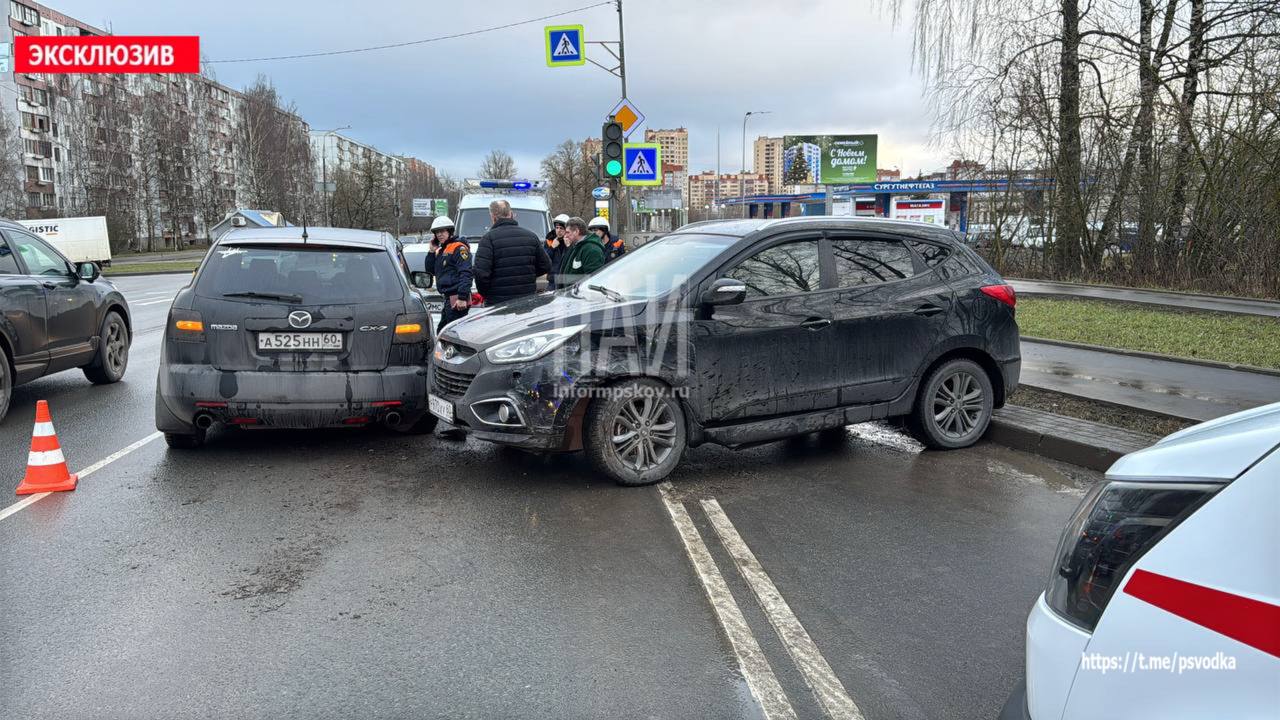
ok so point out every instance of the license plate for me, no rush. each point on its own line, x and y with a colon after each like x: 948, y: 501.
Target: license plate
x: 440, y: 407
x: 300, y: 342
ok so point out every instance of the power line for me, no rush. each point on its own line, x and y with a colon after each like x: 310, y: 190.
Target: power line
x: 412, y: 42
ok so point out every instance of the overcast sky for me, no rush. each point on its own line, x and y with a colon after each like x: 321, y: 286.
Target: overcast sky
x: 820, y: 66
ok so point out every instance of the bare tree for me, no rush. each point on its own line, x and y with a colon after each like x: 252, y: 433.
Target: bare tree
x: 572, y: 175
x: 12, y: 200
x: 275, y: 152
x: 498, y: 165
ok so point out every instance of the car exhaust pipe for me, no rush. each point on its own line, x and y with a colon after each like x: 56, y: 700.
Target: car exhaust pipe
x: 391, y: 419
x: 204, y: 421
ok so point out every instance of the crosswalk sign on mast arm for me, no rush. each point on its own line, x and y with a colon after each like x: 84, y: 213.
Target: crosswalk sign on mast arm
x: 566, y: 45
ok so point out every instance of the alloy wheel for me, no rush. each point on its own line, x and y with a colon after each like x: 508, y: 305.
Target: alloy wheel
x: 117, y: 348
x: 644, y: 432
x: 957, y: 404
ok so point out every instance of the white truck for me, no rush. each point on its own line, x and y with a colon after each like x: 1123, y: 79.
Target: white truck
x: 81, y: 239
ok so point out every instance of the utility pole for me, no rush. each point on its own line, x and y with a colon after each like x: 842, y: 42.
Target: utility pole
x: 742, y: 180
x: 324, y: 170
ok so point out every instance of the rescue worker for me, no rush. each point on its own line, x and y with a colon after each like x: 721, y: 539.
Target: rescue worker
x: 555, y: 246
x: 584, y: 255
x: 614, y: 248
x: 453, y: 272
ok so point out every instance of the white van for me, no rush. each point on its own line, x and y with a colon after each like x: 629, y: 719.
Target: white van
x: 527, y: 197
x: 81, y: 239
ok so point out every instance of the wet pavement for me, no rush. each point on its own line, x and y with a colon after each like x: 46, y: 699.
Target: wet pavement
x: 366, y: 574
x: 1184, y: 390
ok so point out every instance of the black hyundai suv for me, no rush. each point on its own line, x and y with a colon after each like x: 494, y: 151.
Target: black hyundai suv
x: 737, y: 333
x: 295, y: 328
x: 56, y: 315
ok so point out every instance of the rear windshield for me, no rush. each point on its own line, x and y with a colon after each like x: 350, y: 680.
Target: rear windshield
x: 321, y: 275
x: 475, y: 222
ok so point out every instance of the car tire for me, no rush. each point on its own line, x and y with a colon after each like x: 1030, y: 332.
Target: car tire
x: 424, y: 425
x: 948, y: 415
x: 185, y: 441
x: 112, y: 358
x: 636, y: 435
x: 6, y: 384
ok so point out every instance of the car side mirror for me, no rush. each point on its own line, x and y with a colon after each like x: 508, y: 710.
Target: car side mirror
x: 420, y: 280
x: 725, y: 291
x: 88, y: 271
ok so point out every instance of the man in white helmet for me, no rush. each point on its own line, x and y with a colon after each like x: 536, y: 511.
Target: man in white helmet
x: 556, y: 245
x: 614, y: 248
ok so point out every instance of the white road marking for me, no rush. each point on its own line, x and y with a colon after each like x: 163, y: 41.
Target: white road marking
x: 817, y: 673
x: 152, y: 302
x: 754, y: 665
x: 33, y: 499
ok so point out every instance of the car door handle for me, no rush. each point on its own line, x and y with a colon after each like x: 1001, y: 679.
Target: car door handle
x: 815, y: 323
x: 928, y: 310
x: 49, y: 285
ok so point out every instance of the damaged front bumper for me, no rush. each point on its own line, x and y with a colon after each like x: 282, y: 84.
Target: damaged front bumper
x: 288, y: 400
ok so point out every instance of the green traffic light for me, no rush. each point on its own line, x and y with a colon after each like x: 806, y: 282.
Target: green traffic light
x: 613, y: 168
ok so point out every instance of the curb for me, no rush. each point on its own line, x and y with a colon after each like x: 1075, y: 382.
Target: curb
x: 1067, y: 439
x: 1152, y: 290
x: 1238, y: 367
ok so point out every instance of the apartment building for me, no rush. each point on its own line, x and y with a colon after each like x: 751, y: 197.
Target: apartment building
x: 768, y: 161
x: 706, y: 188
x: 331, y: 151
x: 675, y: 158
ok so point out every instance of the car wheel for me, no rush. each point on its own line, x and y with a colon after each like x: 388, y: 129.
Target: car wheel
x: 185, y: 441
x: 109, y: 364
x: 6, y: 384
x: 637, y: 434
x: 424, y: 425
x: 954, y: 406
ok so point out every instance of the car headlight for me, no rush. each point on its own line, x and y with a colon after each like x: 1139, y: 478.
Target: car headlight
x: 1116, y: 523
x: 532, y: 346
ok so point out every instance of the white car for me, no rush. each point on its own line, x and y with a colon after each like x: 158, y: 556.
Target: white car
x: 1164, y: 597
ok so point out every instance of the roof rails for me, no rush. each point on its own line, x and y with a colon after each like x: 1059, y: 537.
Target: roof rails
x: 512, y: 185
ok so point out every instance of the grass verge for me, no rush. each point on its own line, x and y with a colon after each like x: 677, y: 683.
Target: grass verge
x: 144, y: 268
x: 1207, y: 336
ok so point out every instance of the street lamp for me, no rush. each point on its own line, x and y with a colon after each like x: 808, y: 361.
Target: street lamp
x: 742, y: 181
x: 324, y: 169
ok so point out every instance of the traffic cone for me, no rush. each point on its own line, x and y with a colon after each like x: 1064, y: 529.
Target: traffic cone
x: 46, y: 468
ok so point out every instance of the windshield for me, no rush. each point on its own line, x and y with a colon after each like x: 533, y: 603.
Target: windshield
x: 474, y: 222
x: 661, y: 265
x: 316, y: 276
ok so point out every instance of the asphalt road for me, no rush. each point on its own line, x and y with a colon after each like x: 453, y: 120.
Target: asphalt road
x: 1185, y: 390
x: 1214, y: 303
x: 364, y: 574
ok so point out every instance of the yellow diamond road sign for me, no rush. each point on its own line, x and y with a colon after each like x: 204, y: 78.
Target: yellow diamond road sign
x: 627, y: 115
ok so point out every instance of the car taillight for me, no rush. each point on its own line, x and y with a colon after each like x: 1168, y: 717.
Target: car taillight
x: 186, y: 325
x: 1116, y: 523
x: 412, y: 328
x: 1003, y: 293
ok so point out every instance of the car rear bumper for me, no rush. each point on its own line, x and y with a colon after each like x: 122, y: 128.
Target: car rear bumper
x: 1012, y: 371
x: 288, y: 399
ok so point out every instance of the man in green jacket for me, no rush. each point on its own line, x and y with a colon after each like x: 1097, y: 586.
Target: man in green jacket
x: 584, y: 255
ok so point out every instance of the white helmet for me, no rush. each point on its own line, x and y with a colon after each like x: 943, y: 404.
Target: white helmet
x: 441, y: 223
x: 598, y: 222
x: 561, y: 219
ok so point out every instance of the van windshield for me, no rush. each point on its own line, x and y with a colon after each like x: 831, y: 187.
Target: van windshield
x: 315, y: 275
x: 474, y: 222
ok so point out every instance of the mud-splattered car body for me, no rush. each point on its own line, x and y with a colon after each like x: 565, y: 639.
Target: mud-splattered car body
x: 745, y: 372
x: 229, y: 351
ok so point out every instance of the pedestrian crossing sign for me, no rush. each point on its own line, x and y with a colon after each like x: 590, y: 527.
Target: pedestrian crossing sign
x: 641, y: 164
x: 565, y: 45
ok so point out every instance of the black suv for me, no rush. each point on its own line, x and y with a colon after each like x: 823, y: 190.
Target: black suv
x: 737, y: 333
x: 295, y: 328
x: 55, y: 315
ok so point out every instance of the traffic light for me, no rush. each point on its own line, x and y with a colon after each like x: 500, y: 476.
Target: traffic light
x: 611, y: 151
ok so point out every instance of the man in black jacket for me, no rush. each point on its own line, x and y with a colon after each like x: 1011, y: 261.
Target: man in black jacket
x: 509, y: 258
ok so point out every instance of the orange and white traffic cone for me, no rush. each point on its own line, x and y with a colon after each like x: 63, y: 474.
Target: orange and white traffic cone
x: 46, y: 468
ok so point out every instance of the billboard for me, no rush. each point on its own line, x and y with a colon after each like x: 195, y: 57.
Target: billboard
x: 932, y: 210
x: 828, y: 159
